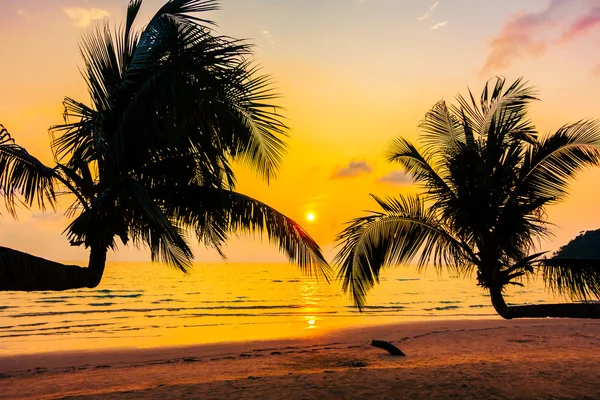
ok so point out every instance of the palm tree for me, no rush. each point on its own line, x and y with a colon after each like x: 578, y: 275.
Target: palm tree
x: 486, y: 178
x: 150, y: 160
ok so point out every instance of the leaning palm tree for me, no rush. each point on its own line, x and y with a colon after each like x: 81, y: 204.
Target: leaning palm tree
x: 150, y: 160
x: 486, y: 178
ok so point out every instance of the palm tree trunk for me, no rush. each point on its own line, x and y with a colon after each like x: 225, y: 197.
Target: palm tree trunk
x: 24, y: 272
x: 565, y: 310
x: 498, y: 301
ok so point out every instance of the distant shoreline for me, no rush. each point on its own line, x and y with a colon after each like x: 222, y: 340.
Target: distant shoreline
x: 464, y: 358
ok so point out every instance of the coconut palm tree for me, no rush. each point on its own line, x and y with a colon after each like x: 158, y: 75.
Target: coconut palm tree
x: 486, y: 178
x: 150, y: 160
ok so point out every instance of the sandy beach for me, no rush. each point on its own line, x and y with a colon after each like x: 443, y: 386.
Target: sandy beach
x: 479, y: 359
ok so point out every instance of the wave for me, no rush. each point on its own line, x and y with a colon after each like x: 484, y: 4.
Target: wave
x: 379, y: 307
x: 50, y: 301
x: 146, y: 310
x: 95, y: 296
x: 19, y: 325
x: 442, y: 308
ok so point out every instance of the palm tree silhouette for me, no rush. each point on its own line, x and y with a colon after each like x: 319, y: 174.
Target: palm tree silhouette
x: 173, y: 105
x: 486, y: 178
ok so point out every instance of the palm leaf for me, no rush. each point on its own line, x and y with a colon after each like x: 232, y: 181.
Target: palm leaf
x: 419, y: 167
x: 184, y: 9
x: 552, y: 164
x: 21, y: 174
x: 78, y: 137
x: 394, y: 237
x: 499, y: 108
x: 577, y: 278
x: 129, y: 211
x: 441, y: 131
x: 214, y: 212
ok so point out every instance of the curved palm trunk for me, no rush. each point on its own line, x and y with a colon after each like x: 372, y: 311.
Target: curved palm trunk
x: 24, y: 272
x: 566, y: 310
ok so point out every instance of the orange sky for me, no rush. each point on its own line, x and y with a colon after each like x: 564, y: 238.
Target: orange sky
x: 354, y: 74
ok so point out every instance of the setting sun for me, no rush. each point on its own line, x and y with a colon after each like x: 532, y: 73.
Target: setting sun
x: 310, y: 217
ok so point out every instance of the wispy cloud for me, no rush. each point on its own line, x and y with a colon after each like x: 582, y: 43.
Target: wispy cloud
x: 354, y: 169
x: 396, y: 178
x: 83, y: 17
x: 424, y: 16
x: 522, y: 35
x: 582, y: 25
x: 268, y: 35
x: 596, y: 70
x: 439, y: 25
x: 23, y: 13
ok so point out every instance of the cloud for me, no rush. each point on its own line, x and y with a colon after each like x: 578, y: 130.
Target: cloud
x: 439, y: 25
x: 268, y: 35
x: 23, y: 13
x: 82, y: 17
x: 596, y: 70
x: 424, y: 16
x: 396, y: 178
x: 520, y: 36
x: 582, y: 25
x: 354, y: 169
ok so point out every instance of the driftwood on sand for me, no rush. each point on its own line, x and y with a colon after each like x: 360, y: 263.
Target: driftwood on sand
x: 390, y: 348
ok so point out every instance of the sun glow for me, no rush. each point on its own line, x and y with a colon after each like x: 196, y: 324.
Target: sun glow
x: 310, y: 217
x: 310, y: 319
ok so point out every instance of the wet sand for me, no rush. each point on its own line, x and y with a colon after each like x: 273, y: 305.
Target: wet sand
x: 480, y: 359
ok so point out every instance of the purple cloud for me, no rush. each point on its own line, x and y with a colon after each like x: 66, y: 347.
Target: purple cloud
x: 582, y: 25
x: 522, y: 35
x: 354, y: 169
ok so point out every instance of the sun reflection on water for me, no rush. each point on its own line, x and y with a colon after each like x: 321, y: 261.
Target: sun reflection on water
x: 311, y: 300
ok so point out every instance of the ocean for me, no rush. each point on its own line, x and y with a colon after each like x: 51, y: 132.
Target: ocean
x: 141, y: 304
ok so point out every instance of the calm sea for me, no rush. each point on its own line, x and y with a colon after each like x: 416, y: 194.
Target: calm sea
x: 146, y: 305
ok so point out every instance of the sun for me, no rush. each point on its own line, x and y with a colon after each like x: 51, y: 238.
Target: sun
x: 310, y: 217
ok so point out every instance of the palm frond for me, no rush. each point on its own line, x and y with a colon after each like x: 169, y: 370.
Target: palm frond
x: 441, y: 131
x: 129, y: 38
x: 78, y: 137
x: 577, y: 278
x: 420, y: 168
x: 549, y: 167
x: 499, y: 108
x: 22, y: 175
x: 394, y: 237
x: 185, y: 9
x: 204, y: 92
x: 127, y: 210
x: 262, y: 128
x: 103, y: 73
x: 524, y: 265
x: 165, y: 240
x: 214, y: 212
x: 506, y: 104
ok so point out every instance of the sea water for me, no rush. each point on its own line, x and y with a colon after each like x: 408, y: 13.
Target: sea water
x: 142, y: 304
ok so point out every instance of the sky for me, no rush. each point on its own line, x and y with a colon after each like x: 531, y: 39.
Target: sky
x: 353, y: 75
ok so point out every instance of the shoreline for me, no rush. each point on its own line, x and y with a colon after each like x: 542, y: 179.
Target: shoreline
x: 466, y: 358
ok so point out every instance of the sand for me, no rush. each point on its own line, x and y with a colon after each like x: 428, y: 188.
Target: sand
x: 484, y: 359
